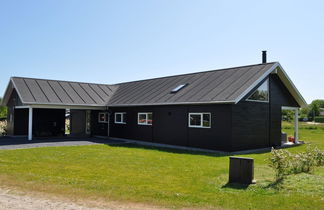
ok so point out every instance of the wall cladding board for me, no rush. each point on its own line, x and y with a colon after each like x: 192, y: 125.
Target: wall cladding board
x: 250, y: 125
x: 279, y: 96
x: 97, y: 128
x: 170, y: 126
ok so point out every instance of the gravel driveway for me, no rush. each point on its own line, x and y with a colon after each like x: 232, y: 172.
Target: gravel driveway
x: 15, y: 200
x: 23, y: 143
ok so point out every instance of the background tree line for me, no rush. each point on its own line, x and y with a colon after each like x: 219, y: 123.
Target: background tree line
x: 312, y: 110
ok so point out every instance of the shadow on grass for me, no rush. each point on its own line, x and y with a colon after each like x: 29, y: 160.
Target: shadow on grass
x: 189, y: 151
x: 170, y: 150
x: 6, y: 140
x: 236, y: 186
x: 276, y: 185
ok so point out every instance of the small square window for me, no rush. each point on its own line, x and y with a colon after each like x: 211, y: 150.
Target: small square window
x: 199, y: 120
x: 103, y: 117
x: 120, y: 118
x: 145, y: 118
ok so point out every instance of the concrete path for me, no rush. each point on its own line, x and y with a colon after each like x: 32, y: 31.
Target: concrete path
x: 23, y: 143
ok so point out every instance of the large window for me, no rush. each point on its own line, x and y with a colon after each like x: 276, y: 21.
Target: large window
x: 144, y: 118
x: 103, y: 117
x: 261, y: 94
x: 120, y: 117
x: 199, y: 120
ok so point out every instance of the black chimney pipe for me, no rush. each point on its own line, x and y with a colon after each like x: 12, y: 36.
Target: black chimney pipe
x: 264, y: 56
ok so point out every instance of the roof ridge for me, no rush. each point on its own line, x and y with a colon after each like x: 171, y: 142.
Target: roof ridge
x: 63, y: 81
x: 199, y: 72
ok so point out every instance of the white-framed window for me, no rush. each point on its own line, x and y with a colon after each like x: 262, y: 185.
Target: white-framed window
x: 144, y: 118
x: 261, y: 94
x: 199, y: 120
x: 103, y: 117
x: 120, y: 117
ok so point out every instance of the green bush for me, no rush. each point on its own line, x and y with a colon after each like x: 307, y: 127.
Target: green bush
x: 319, y: 119
x: 285, y: 163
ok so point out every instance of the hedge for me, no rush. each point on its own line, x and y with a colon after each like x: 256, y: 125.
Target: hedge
x: 319, y: 119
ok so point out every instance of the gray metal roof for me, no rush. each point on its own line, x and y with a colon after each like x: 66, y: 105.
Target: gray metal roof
x: 40, y: 91
x: 217, y: 86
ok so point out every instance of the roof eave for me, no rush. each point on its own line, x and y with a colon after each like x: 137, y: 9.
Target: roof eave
x: 173, y: 103
x: 284, y: 78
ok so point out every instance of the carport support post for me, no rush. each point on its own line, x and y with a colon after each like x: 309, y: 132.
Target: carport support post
x: 296, y: 125
x: 30, y: 124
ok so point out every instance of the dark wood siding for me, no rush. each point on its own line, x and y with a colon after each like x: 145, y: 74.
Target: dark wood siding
x: 13, y: 101
x: 131, y: 130
x: 20, y: 122
x: 98, y: 128
x: 279, y: 96
x: 250, y: 125
x: 216, y: 137
x: 170, y: 126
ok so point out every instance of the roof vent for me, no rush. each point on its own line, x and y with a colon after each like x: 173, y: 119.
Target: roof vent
x: 264, y: 56
x: 179, y: 87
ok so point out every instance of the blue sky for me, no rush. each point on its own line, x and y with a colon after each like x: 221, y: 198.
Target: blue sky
x: 116, y: 41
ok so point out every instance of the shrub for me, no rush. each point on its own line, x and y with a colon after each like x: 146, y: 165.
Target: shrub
x: 285, y: 163
x: 3, y: 128
x: 319, y: 119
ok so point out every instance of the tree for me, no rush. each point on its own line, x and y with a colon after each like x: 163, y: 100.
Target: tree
x: 3, y: 110
x: 319, y: 102
x: 314, y: 108
x: 288, y: 115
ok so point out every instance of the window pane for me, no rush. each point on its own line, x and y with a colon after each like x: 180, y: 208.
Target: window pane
x: 206, y: 120
x: 142, y: 118
x: 262, y: 93
x: 118, y: 118
x: 195, y: 119
x: 102, y: 117
x: 149, y: 118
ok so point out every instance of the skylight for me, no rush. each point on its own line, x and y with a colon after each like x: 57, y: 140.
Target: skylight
x: 179, y: 87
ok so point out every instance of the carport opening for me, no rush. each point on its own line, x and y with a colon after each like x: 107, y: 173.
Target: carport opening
x: 289, y: 126
x: 67, y: 122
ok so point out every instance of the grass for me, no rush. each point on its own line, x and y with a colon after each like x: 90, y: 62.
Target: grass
x: 164, y: 177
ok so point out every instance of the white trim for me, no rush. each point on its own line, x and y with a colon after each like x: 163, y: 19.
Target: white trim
x: 43, y: 106
x: 289, y: 108
x: 292, y: 88
x: 122, y: 117
x: 21, y: 107
x: 296, y: 126
x: 146, y: 118
x: 277, y: 69
x: 255, y: 83
x: 105, y: 117
x: 30, y: 124
x: 201, y: 119
x: 267, y: 101
x: 296, y: 109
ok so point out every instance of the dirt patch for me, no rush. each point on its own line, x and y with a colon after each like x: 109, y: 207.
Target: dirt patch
x: 14, y: 200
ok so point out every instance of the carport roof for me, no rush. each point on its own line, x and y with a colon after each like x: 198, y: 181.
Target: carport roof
x: 216, y: 86
x: 55, y: 92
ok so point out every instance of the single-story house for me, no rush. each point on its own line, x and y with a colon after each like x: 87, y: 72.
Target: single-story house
x: 227, y: 109
x: 321, y: 112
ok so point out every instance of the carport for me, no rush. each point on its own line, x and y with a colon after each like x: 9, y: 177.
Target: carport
x: 37, y: 108
x: 50, y: 121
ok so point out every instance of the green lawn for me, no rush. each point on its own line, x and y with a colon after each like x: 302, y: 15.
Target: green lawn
x: 169, y: 178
